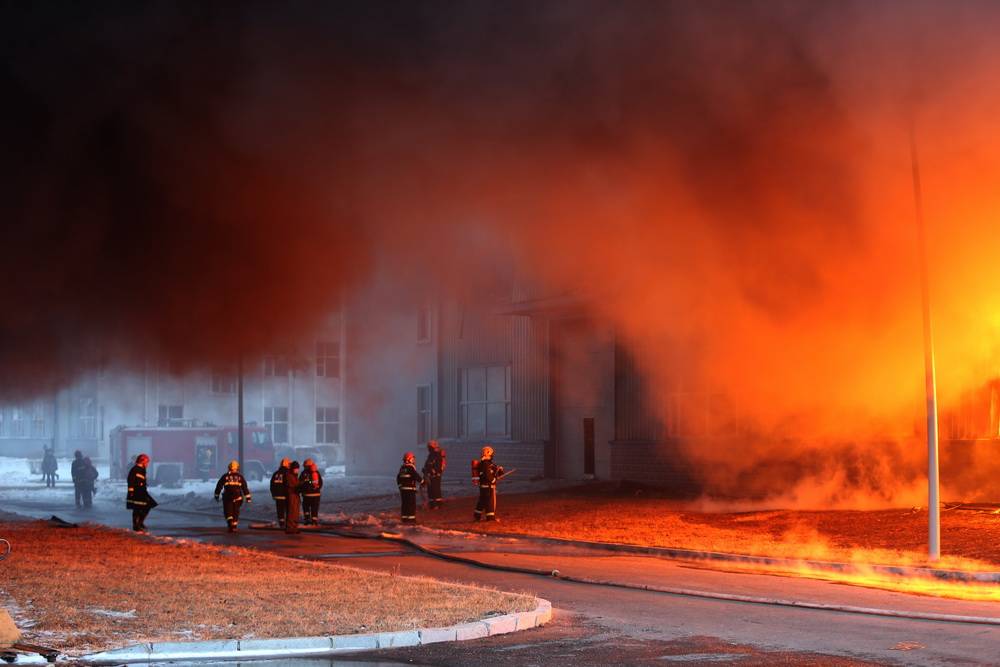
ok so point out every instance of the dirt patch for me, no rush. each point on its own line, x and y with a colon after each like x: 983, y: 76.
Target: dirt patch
x: 970, y: 540
x: 91, y: 588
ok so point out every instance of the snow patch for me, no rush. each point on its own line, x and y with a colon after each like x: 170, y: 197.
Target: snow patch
x: 111, y: 613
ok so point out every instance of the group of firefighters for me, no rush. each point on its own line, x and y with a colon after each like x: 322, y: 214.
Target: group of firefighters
x: 293, y: 490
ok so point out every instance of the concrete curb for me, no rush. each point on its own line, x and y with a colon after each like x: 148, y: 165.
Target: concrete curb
x: 769, y: 561
x: 304, y: 647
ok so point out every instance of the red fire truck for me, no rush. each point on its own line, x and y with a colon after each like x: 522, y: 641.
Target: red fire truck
x: 191, y: 451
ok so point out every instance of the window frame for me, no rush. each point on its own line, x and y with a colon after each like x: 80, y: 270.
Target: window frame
x: 465, y: 403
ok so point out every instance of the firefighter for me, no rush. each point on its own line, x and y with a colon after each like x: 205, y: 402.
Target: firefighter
x: 291, y: 484
x: 407, y: 480
x: 310, y: 483
x: 233, y: 487
x: 278, y: 492
x: 433, y: 471
x: 138, y: 499
x: 485, y: 473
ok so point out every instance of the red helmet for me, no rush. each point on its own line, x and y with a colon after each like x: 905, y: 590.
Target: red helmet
x: 141, y: 460
x: 432, y: 445
x: 409, y: 457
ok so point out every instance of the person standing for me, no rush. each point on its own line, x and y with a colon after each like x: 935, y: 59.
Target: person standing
x: 138, y: 499
x: 433, y: 471
x: 408, y: 479
x: 310, y: 483
x: 291, y: 481
x: 485, y: 473
x: 278, y: 492
x: 88, y: 480
x: 76, y: 472
x: 49, y: 467
x: 233, y: 487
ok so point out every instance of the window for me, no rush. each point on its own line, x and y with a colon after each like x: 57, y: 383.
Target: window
x: 38, y: 420
x: 223, y: 381
x: 485, y: 401
x: 424, y: 324
x: 87, y: 417
x: 276, y: 423
x: 327, y: 426
x: 275, y: 366
x: 424, y: 413
x: 16, y: 422
x: 327, y: 360
x: 171, y: 415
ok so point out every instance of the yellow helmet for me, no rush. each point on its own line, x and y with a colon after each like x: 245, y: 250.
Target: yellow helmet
x: 284, y: 463
x: 308, y: 463
x: 487, y: 452
x: 234, y: 466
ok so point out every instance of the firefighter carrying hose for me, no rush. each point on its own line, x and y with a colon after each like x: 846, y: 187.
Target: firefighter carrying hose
x: 138, y: 499
x: 310, y: 483
x: 485, y: 473
x: 278, y: 492
x: 408, y: 480
x: 233, y: 487
x: 433, y: 471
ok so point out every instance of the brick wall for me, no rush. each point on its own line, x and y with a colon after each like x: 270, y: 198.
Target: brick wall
x: 527, y: 457
x: 656, y: 464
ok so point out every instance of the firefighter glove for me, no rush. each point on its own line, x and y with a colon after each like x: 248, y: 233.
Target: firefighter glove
x: 217, y: 499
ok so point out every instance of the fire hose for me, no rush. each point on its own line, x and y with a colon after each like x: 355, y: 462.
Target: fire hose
x: 683, y: 592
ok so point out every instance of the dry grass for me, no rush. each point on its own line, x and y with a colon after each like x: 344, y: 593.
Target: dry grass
x: 91, y: 588
x: 969, y: 540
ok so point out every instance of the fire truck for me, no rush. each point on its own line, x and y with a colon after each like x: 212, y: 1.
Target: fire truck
x: 190, y: 451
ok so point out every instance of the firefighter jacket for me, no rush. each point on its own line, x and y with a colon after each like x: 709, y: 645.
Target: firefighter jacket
x: 232, y: 485
x: 436, y: 463
x: 488, y: 473
x: 290, y: 483
x: 408, y: 478
x: 138, y: 495
x: 278, y: 484
x: 310, y: 483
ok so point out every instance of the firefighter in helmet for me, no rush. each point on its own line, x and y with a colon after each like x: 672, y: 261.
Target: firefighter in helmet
x: 278, y: 491
x: 138, y: 499
x: 485, y: 474
x: 310, y: 483
x: 433, y: 471
x: 408, y: 480
x: 291, y: 483
x: 233, y: 487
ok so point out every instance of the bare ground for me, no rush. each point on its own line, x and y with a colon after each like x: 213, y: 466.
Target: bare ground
x: 608, y: 513
x: 91, y: 588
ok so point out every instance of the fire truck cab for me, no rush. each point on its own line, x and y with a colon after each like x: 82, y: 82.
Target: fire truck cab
x: 190, y: 451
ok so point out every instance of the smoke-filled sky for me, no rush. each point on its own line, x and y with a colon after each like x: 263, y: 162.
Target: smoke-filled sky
x: 186, y: 180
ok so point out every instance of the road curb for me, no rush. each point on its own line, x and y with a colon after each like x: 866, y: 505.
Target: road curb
x: 303, y: 647
x: 718, y: 556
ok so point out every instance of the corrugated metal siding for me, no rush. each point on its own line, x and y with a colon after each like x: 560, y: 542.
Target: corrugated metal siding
x: 634, y: 418
x: 530, y: 391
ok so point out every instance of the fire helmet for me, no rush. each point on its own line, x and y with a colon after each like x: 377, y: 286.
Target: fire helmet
x: 141, y: 460
x: 487, y: 452
x: 409, y: 457
x: 284, y: 463
x: 309, y: 463
x: 432, y: 445
x: 294, y: 465
x: 234, y: 466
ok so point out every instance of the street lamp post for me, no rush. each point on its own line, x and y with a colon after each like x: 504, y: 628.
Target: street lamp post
x: 930, y: 383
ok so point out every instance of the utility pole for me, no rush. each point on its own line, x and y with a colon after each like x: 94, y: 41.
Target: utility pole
x: 239, y: 409
x: 930, y: 383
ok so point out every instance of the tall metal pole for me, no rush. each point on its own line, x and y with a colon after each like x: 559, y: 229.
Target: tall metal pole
x: 239, y: 410
x: 930, y: 383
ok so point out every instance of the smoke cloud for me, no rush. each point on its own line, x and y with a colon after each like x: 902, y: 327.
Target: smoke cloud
x: 730, y: 181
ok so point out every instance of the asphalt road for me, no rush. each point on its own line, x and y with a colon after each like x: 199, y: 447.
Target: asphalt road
x: 613, y: 626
